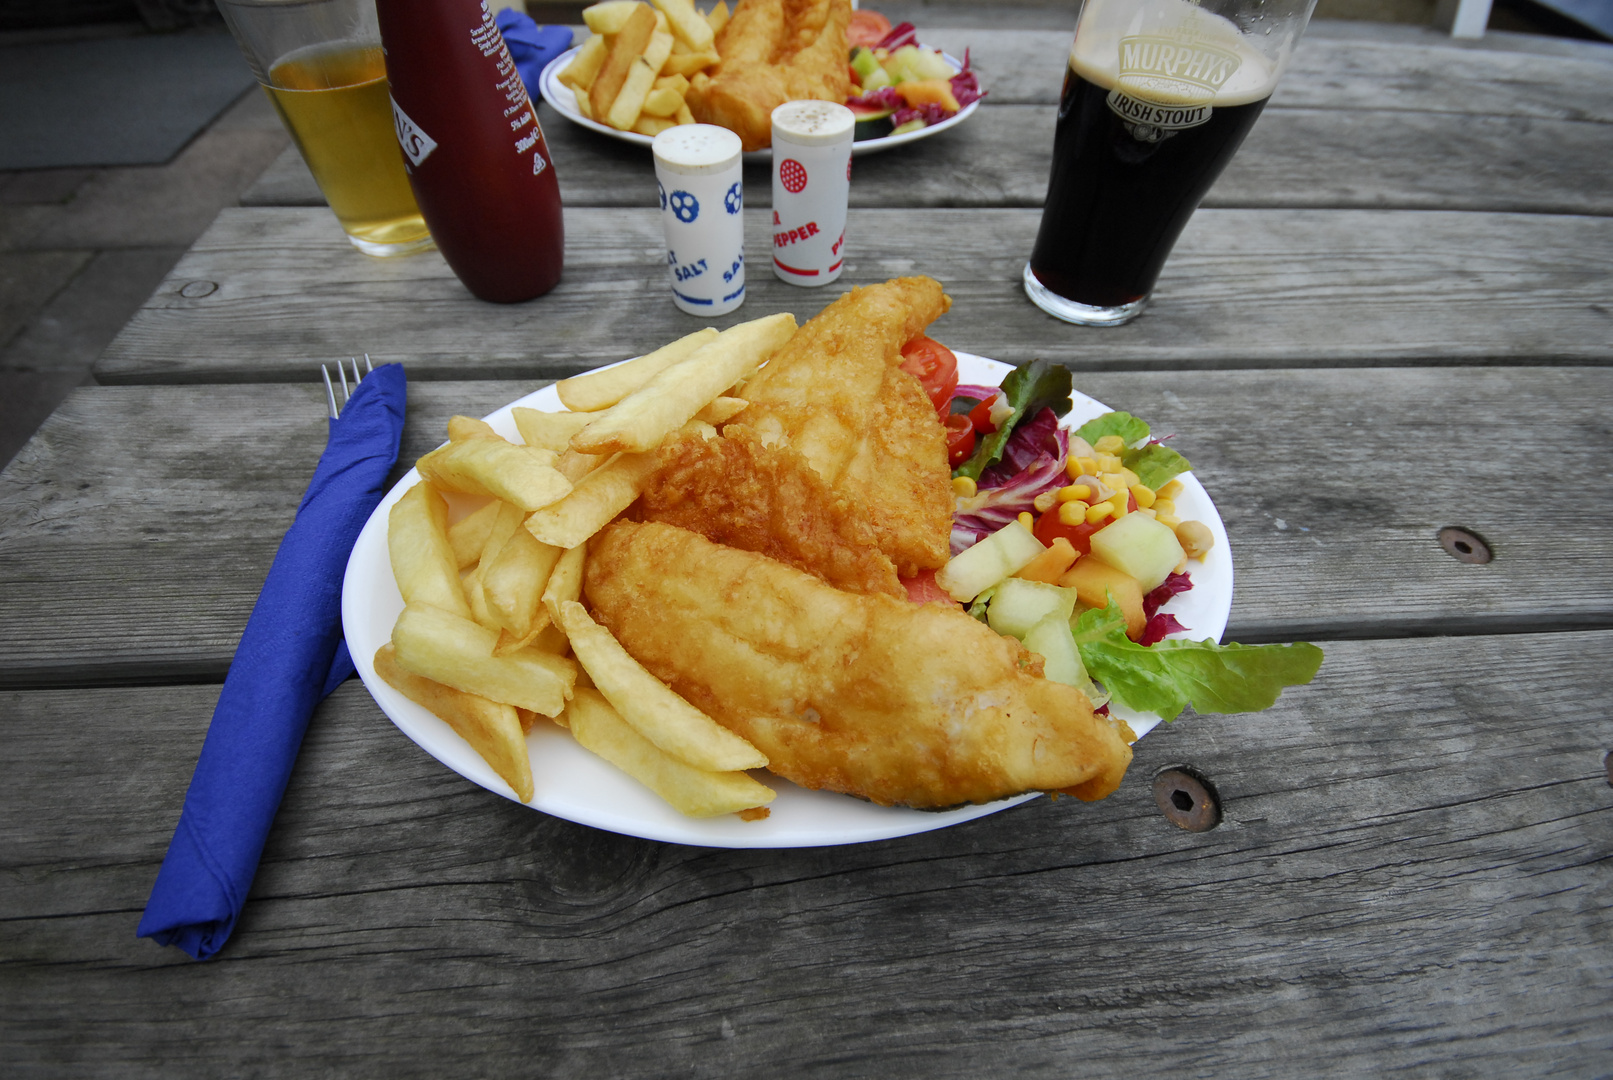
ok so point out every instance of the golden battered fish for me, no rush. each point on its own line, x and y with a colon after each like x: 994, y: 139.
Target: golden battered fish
x: 773, y: 51
x: 838, y: 465
x: 900, y: 703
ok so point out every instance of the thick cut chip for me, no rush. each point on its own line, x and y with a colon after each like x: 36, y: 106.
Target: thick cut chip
x: 722, y: 410
x: 687, y: 64
x: 640, y: 78
x: 692, y: 792
x: 423, y: 561
x: 468, y: 535
x: 522, y: 475
x: 468, y: 427
x: 459, y: 653
x: 565, y: 583
x: 651, y: 125
x: 609, y: 17
x: 548, y: 430
x: 492, y: 729
x: 641, y: 420
x: 594, y: 502
x: 584, y: 67
x: 646, y: 703
x: 629, y: 44
x: 515, y: 580
x: 603, y: 388
x: 690, y: 26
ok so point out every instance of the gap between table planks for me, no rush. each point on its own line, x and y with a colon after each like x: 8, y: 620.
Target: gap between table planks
x: 283, y: 290
x: 1410, y: 876
x: 1294, y: 157
x: 138, y: 525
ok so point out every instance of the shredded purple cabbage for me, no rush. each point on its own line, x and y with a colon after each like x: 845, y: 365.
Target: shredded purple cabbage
x: 930, y: 112
x: 965, y: 85
x: 901, y: 34
x: 885, y: 97
x: 1033, y: 462
x: 979, y: 393
x: 1172, y: 586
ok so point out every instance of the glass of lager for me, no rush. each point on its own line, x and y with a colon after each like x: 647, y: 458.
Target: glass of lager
x: 1158, y: 96
x: 321, y: 64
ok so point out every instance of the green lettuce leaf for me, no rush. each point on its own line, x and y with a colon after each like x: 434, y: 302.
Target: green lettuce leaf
x: 1029, y: 390
x: 1128, y: 427
x: 1167, y: 677
x: 1155, y: 465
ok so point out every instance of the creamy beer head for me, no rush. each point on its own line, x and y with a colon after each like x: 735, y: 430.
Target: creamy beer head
x: 696, y: 149
x: 1170, y: 52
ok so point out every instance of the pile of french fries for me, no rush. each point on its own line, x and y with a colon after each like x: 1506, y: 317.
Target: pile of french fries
x: 493, y: 634
x: 633, y: 71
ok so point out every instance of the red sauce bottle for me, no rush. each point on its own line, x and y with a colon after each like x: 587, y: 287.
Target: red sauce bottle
x: 475, y: 156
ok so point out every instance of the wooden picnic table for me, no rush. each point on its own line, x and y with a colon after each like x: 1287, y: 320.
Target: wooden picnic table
x: 1394, y: 315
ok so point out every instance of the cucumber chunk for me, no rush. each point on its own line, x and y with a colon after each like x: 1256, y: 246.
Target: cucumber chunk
x: 1000, y: 555
x: 1018, y: 605
x: 1140, y: 546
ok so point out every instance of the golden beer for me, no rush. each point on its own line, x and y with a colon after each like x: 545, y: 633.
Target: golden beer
x: 333, y: 99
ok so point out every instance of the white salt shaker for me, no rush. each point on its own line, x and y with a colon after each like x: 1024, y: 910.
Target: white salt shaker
x: 698, y: 168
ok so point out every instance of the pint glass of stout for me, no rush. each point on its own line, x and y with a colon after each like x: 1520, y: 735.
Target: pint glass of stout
x: 1158, y: 96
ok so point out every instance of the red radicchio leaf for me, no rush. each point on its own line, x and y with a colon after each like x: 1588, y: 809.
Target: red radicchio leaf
x: 1031, y: 440
x: 1158, y: 627
x: 901, y: 34
x: 885, y: 97
x: 1159, y: 597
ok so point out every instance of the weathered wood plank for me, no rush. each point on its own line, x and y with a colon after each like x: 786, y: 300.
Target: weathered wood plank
x: 1411, y: 877
x: 1026, y: 67
x: 1294, y: 157
x: 136, y: 528
x: 1244, y: 288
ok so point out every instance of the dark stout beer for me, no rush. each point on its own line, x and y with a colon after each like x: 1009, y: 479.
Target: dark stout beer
x: 1117, y: 201
x: 1158, y: 96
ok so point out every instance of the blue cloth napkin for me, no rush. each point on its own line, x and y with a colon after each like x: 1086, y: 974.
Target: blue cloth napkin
x: 291, y: 655
x: 532, y: 47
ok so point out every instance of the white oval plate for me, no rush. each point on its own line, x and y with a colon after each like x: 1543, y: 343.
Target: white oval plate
x: 572, y: 783
x: 564, y: 101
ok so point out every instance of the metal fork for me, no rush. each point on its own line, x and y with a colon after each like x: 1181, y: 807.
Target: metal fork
x: 341, y: 373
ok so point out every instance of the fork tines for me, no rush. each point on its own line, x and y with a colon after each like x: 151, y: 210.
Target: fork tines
x: 341, y: 373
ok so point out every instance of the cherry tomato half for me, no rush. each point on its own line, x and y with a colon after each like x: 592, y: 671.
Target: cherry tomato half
x: 960, y: 438
x: 1048, y: 527
x: 980, y: 416
x: 866, y: 28
x: 933, y: 364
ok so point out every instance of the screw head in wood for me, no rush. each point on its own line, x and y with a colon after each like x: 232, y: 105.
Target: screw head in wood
x: 1464, y: 545
x: 1187, y: 798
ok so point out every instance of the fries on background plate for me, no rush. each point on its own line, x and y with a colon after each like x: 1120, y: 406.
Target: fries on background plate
x: 633, y: 72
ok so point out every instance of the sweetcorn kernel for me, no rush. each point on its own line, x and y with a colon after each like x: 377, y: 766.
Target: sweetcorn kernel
x: 1132, y: 479
x: 1088, y: 465
x: 1072, y: 513
x: 964, y: 488
x: 1114, y: 481
x: 1074, y: 493
x: 1045, y: 501
x: 1163, y: 505
x: 1143, y: 494
x: 1170, y: 520
x: 1072, y: 467
x: 1108, y: 463
x: 1171, y: 490
x: 1027, y: 520
x: 1109, y: 444
x: 1096, y: 513
x: 1121, y: 503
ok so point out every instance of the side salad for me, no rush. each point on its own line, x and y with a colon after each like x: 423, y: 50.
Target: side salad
x: 1070, y: 542
x: 901, y: 86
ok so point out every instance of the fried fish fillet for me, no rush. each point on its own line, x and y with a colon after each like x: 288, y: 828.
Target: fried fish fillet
x: 900, y: 703
x: 838, y: 464
x: 773, y: 51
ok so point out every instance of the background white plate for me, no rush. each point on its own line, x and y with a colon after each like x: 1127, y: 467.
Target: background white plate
x: 573, y: 784
x: 560, y: 96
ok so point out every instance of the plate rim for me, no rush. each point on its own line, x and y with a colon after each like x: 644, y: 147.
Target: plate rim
x: 549, y: 82
x: 873, y: 823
